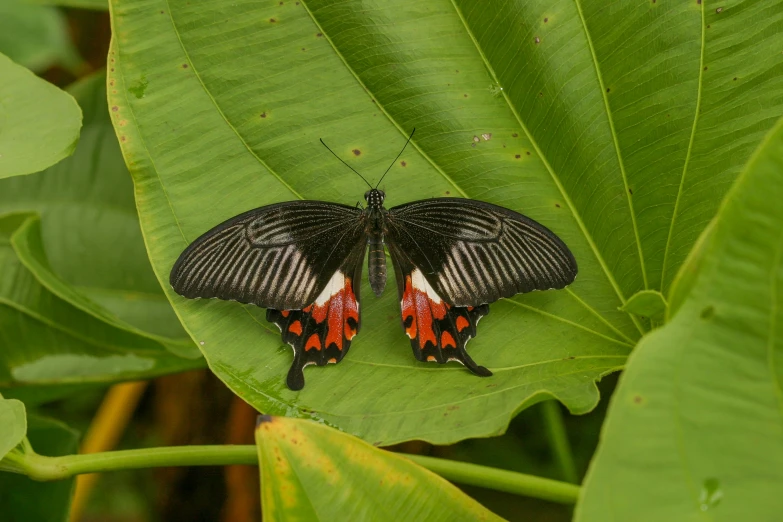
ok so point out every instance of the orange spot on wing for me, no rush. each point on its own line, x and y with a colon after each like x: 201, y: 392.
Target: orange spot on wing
x: 470, y: 309
x: 307, y: 309
x: 431, y: 358
x: 284, y: 313
x: 333, y: 360
x: 462, y: 323
x: 295, y: 327
x: 446, y: 340
x: 313, y: 343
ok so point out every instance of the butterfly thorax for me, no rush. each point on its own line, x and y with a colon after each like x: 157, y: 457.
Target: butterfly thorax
x: 376, y: 259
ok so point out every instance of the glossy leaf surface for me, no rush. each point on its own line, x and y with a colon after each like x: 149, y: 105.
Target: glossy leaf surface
x: 618, y: 126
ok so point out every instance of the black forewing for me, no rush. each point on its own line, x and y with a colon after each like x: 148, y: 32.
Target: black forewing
x: 279, y: 256
x: 474, y: 252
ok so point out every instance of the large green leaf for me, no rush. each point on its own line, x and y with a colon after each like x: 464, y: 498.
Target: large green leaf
x: 695, y: 428
x: 36, y: 36
x: 39, y: 123
x: 24, y: 499
x: 312, y: 472
x: 603, y: 122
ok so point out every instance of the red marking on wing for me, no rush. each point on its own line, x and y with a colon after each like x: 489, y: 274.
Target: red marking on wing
x: 284, y: 313
x: 313, y: 343
x: 422, y: 310
x: 296, y: 327
x: 351, y: 310
x: 462, y: 323
x: 446, y: 340
x: 340, y: 307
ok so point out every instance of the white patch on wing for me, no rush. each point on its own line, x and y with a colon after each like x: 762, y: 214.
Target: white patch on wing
x: 419, y: 282
x: 335, y: 284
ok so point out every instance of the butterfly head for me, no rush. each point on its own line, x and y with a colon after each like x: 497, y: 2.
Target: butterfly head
x: 374, y: 198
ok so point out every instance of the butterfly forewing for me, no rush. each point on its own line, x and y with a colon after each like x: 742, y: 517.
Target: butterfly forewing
x: 280, y: 256
x: 472, y: 252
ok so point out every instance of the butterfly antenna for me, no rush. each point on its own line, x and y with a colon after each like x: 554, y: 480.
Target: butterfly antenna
x: 344, y: 163
x: 395, y: 159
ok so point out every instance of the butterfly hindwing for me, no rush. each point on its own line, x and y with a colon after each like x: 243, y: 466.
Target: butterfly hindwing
x: 321, y: 332
x: 280, y: 256
x: 474, y: 252
x: 438, y: 331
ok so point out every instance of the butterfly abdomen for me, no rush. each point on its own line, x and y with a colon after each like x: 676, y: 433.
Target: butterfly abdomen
x: 376, y: 264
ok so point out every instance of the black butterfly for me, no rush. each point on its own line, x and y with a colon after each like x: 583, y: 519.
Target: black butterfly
x: 302, y: 260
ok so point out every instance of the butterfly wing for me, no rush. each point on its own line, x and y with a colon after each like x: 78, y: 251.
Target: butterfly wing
x: 473, y: 252
x: 279, y: 256
x: 301, y: 260
x: 453, y: 257
x: 439, y: 332
x: 321, y: 332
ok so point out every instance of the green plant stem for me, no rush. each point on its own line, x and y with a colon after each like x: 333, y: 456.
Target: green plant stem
x: 39, y: 467
x: 558, y: 438
x: 500, y: 479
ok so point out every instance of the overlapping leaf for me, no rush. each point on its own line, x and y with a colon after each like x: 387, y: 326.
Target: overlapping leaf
x: 695, y: 428
x: 619, y: 126
x: 311, y: 472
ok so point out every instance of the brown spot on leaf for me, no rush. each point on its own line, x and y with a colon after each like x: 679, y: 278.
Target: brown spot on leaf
x: 538, y: 40
x: 115, y: 108
x: 448, y: 192
x: 356, y: 152
x: 517, y: 156
x: 184, y: 66
x: 557, y: 205
x: 263, y: 115
x: 403, y: 163
x: 318, y: 35
x: 272, y: 21
x: 546, y: 20
x: 528, y: 153
x: 719, y: 10
x: 630, y: 191
x: 514, y: 135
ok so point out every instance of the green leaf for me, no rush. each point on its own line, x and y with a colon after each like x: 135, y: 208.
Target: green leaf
x: 31, y: 501
x: 14, y: 424
x: 695, y: 428
x: 36, y: 36
x: 647, y: 303
x: 304, y: 465
x: 601, y: 123
x: 39, y: 123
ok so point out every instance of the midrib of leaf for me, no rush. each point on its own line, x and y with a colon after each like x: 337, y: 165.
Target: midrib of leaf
x: 615, y: 141
x: 690, y: 148
x: 571, y: 323
x: 220, y: 111
x: 556, y: 181
x: 380, y: 105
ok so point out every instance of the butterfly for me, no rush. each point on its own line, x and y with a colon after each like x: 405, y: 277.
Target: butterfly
x: 302, y: 261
